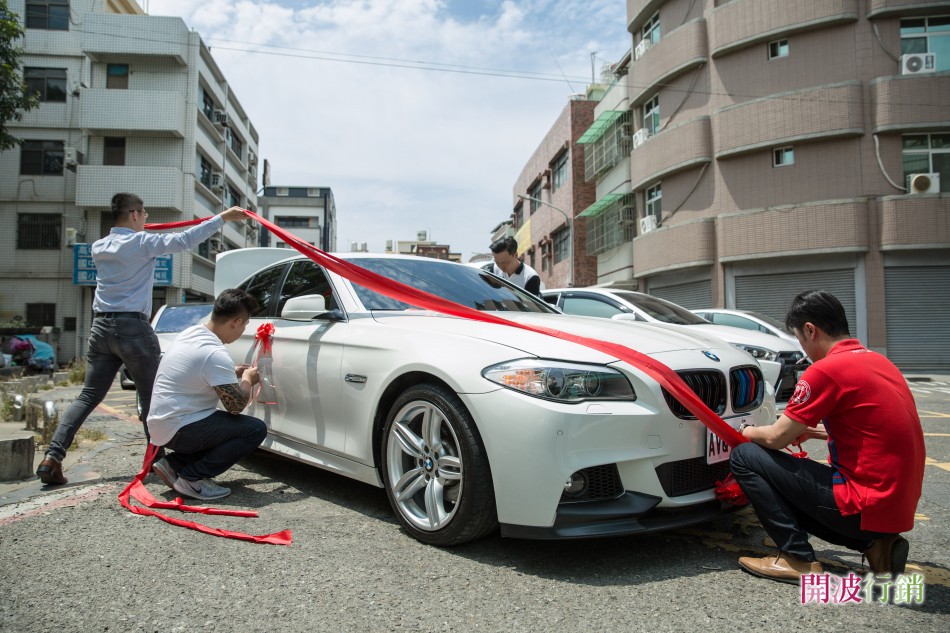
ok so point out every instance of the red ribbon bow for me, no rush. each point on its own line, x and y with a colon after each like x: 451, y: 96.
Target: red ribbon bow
x: 263, y: 338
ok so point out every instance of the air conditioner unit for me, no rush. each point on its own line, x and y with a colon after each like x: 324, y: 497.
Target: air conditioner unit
x: 251, y: 158
x: 648, y: 224
x: 70, y: 156
x: 642, y: 47
x: 220, y: 118
x: 640, y: 137
x: 216, y: 246
x: 923, y: 183
x: 916, y: 63
x: 217, y: 181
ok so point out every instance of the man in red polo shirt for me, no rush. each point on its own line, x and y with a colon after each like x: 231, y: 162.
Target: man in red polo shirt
x: 859, y: 402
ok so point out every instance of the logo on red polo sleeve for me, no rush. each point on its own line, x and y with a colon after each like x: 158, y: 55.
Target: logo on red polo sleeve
x: 802, y: 393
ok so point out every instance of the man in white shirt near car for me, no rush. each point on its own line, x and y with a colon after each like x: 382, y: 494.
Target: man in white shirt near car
x: 509, y: 267
x: 195, y: 375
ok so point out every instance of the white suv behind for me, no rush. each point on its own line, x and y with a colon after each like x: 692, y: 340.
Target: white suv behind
x: 781, y: 361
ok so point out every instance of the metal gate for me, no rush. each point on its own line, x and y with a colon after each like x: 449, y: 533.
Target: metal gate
x: 773, y: 294
x: 918, y: 326
x: 691, y: 296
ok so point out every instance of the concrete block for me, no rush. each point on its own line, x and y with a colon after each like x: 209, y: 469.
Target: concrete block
x: 17, y: 448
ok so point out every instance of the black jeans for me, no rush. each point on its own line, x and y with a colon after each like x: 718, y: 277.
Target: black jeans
x: 794, y: 497
x: 112, y: 341
x: 208, y: 447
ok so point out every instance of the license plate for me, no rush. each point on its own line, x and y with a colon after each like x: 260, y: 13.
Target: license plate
x: 717, y: 451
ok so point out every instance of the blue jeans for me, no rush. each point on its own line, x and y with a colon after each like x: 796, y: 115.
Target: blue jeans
x: 208, y: 447
x: 794, y: 497
x: 112, y: 341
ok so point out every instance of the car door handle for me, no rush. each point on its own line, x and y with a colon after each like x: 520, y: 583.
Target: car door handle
x: 355, y: 378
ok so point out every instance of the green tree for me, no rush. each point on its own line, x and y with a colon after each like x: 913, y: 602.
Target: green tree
x: 15, y: 96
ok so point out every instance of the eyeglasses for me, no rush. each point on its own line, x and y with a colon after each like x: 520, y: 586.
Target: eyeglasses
x: 142, y: 211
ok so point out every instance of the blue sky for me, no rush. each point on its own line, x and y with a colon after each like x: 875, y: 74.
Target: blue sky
x: 419, y: 114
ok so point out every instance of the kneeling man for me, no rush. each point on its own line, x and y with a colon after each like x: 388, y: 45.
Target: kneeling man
x: 859, y: 402
x: 195, y: 375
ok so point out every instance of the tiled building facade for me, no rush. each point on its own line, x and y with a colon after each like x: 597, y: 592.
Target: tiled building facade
x: 129, y: 102
x: 765, y: 147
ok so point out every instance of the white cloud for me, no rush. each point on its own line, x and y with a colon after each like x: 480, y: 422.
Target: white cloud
x: 405, y: 149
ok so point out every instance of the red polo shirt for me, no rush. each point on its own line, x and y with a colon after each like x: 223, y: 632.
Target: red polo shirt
x: 875, y: 441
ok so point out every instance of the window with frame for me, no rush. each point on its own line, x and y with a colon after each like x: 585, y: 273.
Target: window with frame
x: 928, y: 35
x: 651, y: 115
x: 117, y: 76
x: 113, y: 150
x: 559, y: 171
x: 609, y: 147
x: 654, y: 201
x: 38, y: 231
x: 611, y: 227
x: 48, y: 83
x: 927, y: 154
x: 42, y: 158
x: 562, y: 245
x: 204, y: 171
x: 651, y: 30
x: 534, y: 192
x: 41, y: 314
x: 231, y: 197
x: 783, y: 156
x: 52, y: 15
x: 517, y: 216
x: 292, y: 221
x: 778, y: 48
x: 207, y: 104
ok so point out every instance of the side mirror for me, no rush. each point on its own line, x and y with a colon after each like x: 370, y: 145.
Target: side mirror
x: 304, y: 308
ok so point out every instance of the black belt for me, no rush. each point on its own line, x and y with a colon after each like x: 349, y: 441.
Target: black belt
x: 113, y: 315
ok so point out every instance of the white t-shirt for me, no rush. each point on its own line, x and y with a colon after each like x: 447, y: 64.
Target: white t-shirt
x: 193, y: 366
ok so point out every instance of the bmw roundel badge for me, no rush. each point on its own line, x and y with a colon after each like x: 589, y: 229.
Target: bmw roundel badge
x: 710, y: 355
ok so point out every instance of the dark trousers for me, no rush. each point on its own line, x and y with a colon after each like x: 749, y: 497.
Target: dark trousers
x: 208, y: 447
x: 112, y: 341
x: 794, y: 497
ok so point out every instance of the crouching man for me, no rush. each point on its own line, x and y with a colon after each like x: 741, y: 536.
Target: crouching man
x: 195, y: 375
x: 859, y: 402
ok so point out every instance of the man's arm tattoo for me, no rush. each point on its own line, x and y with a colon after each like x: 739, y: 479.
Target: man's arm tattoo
x: 232, y: 397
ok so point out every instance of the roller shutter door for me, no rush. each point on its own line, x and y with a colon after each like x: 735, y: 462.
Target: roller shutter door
x: 691, y: 296
x: 918, y: 316
x: 772, y: 294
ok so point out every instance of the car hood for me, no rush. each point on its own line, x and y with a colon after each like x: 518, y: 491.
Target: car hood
x: 644, y: 338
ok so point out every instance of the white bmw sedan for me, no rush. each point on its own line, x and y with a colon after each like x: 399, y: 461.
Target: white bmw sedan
x: 472, y: 426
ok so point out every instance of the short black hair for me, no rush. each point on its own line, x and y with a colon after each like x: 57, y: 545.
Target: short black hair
x: 231, y: 303
x: 508, y: 244
x: 820, y: 308
x: 123, y: 202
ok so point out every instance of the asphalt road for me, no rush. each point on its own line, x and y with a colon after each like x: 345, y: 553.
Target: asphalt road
x: 72, y: 559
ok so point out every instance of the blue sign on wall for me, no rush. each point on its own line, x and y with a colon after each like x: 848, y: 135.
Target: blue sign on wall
x: 84, y: 268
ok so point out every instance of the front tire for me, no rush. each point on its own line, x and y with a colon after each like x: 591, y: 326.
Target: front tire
x: 435, y: 469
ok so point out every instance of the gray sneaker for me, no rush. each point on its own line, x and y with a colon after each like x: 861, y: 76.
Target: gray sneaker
x: 165, y: 472
x: 201, y: 489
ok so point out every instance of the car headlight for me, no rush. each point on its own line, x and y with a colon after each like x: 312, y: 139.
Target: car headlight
x: 561, y: 381
x: 759, y: 353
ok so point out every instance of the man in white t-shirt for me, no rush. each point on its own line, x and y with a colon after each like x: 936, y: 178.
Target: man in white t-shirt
x: 195, y: 375
x: 508, y: 266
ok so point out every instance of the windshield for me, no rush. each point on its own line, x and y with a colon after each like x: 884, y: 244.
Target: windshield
x: 661, y: 309
x: 180, y: 318
x: 462, y: 284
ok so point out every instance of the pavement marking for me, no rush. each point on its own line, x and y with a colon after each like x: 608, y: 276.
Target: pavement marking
x: 52, y: 501
x: 936, y: 434
x: 933, y: 462
x: 932, y: 414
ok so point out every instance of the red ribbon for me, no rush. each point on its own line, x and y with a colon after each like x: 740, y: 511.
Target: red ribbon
x: 263, y: 338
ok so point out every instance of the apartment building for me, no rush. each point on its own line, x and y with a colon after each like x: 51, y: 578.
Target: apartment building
x: 307, y: 212
x: 776, y: 147
x: 550, y: 192
x: 129, y: 102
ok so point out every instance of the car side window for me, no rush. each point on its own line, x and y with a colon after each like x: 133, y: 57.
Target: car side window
x: 586, y: 306
x: 735, y: 321
x: 306, y: 278
x: 552, y: 299
x: 263, y: 287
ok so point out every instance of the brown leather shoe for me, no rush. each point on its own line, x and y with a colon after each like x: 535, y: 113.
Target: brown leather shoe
x: 50, y: 472
x: 783, y: 568
x: 888, y: 555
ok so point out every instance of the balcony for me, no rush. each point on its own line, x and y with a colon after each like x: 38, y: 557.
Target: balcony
x: 904, y: 8
x: 742, y: 23
x: 916, y: 221
x: 910, y: 102
x: 832, y: 111
x: 681, y: 246
x: 159, y: 187
x: 672, y: 150
x: 132, y: 112
x: 108, y: 37
x: 675, y: 54
x: 826, y: 226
